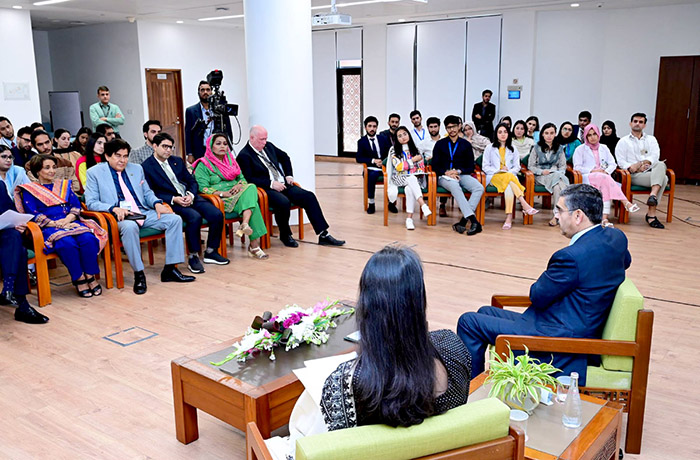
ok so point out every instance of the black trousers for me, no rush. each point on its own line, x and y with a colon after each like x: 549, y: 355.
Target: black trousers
x: 372, y: 179
x: 281, y: 203
x: 193, y: 215
x: 13, y: 259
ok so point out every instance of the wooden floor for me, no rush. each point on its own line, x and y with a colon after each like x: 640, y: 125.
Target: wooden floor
x: 67, y: 392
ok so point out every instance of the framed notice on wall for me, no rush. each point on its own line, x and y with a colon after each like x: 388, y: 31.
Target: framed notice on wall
x: 65, y: 110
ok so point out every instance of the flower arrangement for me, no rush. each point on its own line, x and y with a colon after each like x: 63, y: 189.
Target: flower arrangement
x: 289, y: 328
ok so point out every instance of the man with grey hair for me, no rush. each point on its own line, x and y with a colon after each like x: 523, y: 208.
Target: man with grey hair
x: 573, y: 297
x: 270, y: 168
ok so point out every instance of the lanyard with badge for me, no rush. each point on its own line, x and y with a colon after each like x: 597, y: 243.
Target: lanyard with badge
x: 452, y: 151
x: 419, y: 136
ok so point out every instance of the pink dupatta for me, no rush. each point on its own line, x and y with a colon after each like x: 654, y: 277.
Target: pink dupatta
x: 227, y: 169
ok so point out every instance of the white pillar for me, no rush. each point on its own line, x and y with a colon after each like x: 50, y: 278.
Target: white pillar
x: 280, y: 78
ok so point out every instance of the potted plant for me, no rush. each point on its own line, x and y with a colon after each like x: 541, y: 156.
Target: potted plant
x: 517, y: 380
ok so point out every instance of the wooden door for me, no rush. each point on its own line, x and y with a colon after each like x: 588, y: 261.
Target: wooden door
x: 164, y: 91
x: 692, y: 145
x: 349, y: 103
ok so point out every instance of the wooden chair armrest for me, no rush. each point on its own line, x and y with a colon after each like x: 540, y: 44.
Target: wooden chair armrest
x: 519, y: 436
x: 99, y: 217
x: 671, y: 177
x: 565, y: 345
x: 625, y: 180
x: 574, y: 176
x: 214, y: 199
x: 37, y: 237
x: 255, y: 444
x: 501, y: 301
x: 262, y: 200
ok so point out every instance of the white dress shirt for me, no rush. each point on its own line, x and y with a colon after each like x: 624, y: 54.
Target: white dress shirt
x: 630, y: 150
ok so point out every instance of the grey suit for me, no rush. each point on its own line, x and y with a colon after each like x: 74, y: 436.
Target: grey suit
x: 101, y: 195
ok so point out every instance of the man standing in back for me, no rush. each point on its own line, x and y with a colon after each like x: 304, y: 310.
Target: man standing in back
x: 484, y: 113
x: 105, y: 112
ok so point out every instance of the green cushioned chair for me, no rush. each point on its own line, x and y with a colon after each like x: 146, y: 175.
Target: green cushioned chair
x: 365, y: 186
x: 428, y: 195
x: 624, y: 348
x: 492, y: 192
x: 474, y: 428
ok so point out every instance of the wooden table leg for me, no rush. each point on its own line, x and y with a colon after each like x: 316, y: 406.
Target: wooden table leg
x: 258, y: 410
x: 186, y: 427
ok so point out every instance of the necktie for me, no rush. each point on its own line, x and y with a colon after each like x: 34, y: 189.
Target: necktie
x: 173, y: 178
x: 276, y: 175
x: 129, y: 197
x: 13, y: 145
x: 374, y: 147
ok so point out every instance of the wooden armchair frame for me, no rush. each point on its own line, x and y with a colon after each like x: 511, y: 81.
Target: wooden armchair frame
x: 479, y: 211
x: 267, y: 216
x: 429, y: 197
x: 40, y: 260
x: 626, y: 179
x: 633, y: 400
x: 365, y: 186
x: 511, y: 446
x: 575, y: 177
x: 228, y: 224
x: 528, y: 177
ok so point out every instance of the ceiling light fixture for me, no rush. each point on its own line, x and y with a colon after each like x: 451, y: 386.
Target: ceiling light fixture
x: 217, y: 18
x: 17, y: 7
x: 179, y: 22
x: 49, y: 2
x: 575, y: 5
x: 402, y: 20
x: 365, y: 2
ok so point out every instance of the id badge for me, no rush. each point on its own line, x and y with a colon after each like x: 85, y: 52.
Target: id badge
x: 125, y: 205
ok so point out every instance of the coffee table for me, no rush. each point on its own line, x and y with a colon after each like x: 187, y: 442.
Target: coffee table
x: 598, y: 437
x: 260, y: 390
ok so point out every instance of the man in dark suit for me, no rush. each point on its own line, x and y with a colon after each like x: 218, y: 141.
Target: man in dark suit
x: 172, y: 182
x: 484, y: 113
x: 372, y: 150
x: 13, y: 262
x: 388, y: 134
x: 572, y: 298
x: 270, y: 169
x: 199, y: 124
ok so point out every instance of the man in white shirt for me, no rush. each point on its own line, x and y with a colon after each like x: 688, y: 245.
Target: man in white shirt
x: 150, y: 129
x: 425, y: 147
x: 639, y: 153
x: 418, y: 132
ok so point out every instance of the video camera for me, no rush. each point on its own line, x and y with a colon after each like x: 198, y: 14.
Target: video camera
x: 217, y: 101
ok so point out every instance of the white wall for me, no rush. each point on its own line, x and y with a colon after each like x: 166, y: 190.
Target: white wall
x: 44, y: 74
x: 84, y: 58
x: 374, y: 72
x: 518, y: 62
x: 18, y: 66
x: 325, y: 99
x: 196, y: 50
x: 617, y: 72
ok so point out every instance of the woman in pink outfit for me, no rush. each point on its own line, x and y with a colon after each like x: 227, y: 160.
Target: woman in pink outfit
x: 595, y: 162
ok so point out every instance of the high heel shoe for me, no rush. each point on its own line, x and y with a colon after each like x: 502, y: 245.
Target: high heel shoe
x: 531, y: 211
x: 97, y: 290
x: 632, y: 207
x: 85, y: 293
x: 244, y: 229
x: 257, y: 253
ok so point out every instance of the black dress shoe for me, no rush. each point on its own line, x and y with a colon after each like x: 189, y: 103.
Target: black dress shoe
x: 29, y: 315
x: 173, y: 274
x: 393, y: 209
x: 288, y: 241
x: 443, y: 212
x: 652, y: 201
x: 8, y: 298
x: 140, y: 283
x: 370, y: 208
x: 474, y: 229
x: 459, y: 228
x: 328, y: 240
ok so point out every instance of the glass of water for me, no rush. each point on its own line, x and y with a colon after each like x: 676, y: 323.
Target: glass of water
x: 563, y: 384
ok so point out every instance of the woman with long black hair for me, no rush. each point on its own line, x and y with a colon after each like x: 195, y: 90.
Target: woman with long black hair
x: 94, y: 153
x: 403, y: 373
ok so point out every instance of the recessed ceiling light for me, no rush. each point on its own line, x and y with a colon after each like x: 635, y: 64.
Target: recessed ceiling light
x: 49, y: 2
x: 17, y: 7
x: 180, y: 22
x: 575, y: 5
x: 55, y: 20
x: 217, y: 18
x: 402, y: 20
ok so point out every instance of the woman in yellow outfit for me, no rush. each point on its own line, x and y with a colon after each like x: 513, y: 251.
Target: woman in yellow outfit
x: 501, y: 165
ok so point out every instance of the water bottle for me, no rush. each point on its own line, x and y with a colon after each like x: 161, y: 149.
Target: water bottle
x: 572, y: 409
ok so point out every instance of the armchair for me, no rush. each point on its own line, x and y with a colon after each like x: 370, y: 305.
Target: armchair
x: 630, y: 190
x: 428, y: 194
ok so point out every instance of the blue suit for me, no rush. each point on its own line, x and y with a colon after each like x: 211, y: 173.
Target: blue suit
x: 572, y: 298
x: 365, y: 155
x: 13, y: 255
x: 101, y: 195
x: 194, y: 138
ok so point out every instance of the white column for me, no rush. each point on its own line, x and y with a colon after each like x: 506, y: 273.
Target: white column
x: 280, y: 78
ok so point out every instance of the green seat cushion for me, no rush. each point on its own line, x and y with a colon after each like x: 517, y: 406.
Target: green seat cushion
x: 622, y: 324
x: 402, y: 190
x: 491, y: 189
x: 233, y: 215
x: 524, y: 161
x: 479, y: 160
x: 30, y: 254
x: 599, y: 377
x: 442, y: 190
x: 149, y: 231
x: 639, y: 188
x: 472, y: 423
x: 540, y: 189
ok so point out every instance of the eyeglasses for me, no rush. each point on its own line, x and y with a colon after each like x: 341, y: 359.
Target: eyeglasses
x: 166, y: 146
x: 5, y: 157
x: 450, y: 127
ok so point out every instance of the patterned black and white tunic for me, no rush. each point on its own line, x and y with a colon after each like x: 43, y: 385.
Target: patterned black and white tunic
x: 338, y: 404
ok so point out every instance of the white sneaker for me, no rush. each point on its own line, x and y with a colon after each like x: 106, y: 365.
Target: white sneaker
x: 409, y: 224
x: 426, y: 210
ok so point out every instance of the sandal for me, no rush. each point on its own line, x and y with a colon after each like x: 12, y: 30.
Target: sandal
x: 507, y: 226
x: 606, y: 223
x: 85, y: 293
x: 257, y: 253
x: 531, y: 212
x: 653, y: 222
x: 97, y: 290
x: 554, y: 222
x: 634, y: 207
x: 244, y: 229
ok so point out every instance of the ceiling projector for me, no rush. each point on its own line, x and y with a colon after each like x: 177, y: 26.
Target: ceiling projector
x: 331, y: 19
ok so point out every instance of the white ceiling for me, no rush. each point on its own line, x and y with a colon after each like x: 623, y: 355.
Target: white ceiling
x: 75, y: 13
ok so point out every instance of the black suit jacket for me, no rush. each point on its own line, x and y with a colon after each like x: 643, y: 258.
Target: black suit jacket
x: 6, y: 203
x: 194, y: 138
x: 485, y: 124
x: 463, y: 157
x: 386, y: 134
x: 160, y: 183
x: 364, y: 150
x: 255, y: 171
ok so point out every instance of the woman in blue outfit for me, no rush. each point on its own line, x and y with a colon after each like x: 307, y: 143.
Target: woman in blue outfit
x: 57, y: 212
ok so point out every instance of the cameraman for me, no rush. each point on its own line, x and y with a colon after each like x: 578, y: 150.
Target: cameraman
x: 199, y: 123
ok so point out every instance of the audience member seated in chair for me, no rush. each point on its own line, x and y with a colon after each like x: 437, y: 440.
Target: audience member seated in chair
x: 13, y: 263
x: 11, y: 174
x: 120, y: 188
x: 639, y: 153
x: 521, y: 141
x: 501, y: 165
x: 568, y: 140
x: 94, y: 153
x: 548, y: 163
x: 478, y: 142
x: 170, y: 180
x: 57, y: 212
x: 406, y: 168
x: 403, y: 373
x: 218, y: 173
x: 453, y: 163
x: 595, y: 162
x: 270, y: 168
x: 372, y: 150
x: 65, y: 168
x: 572, y: 298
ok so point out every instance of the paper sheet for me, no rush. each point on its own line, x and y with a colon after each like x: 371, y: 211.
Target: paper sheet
x: 11, y: 219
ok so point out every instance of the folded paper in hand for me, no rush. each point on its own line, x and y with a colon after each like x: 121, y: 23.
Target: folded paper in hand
x: 11, y: 219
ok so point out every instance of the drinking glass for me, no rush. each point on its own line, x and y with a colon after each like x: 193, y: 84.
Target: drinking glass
x: 563, y: 384
x: 518, y: 418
